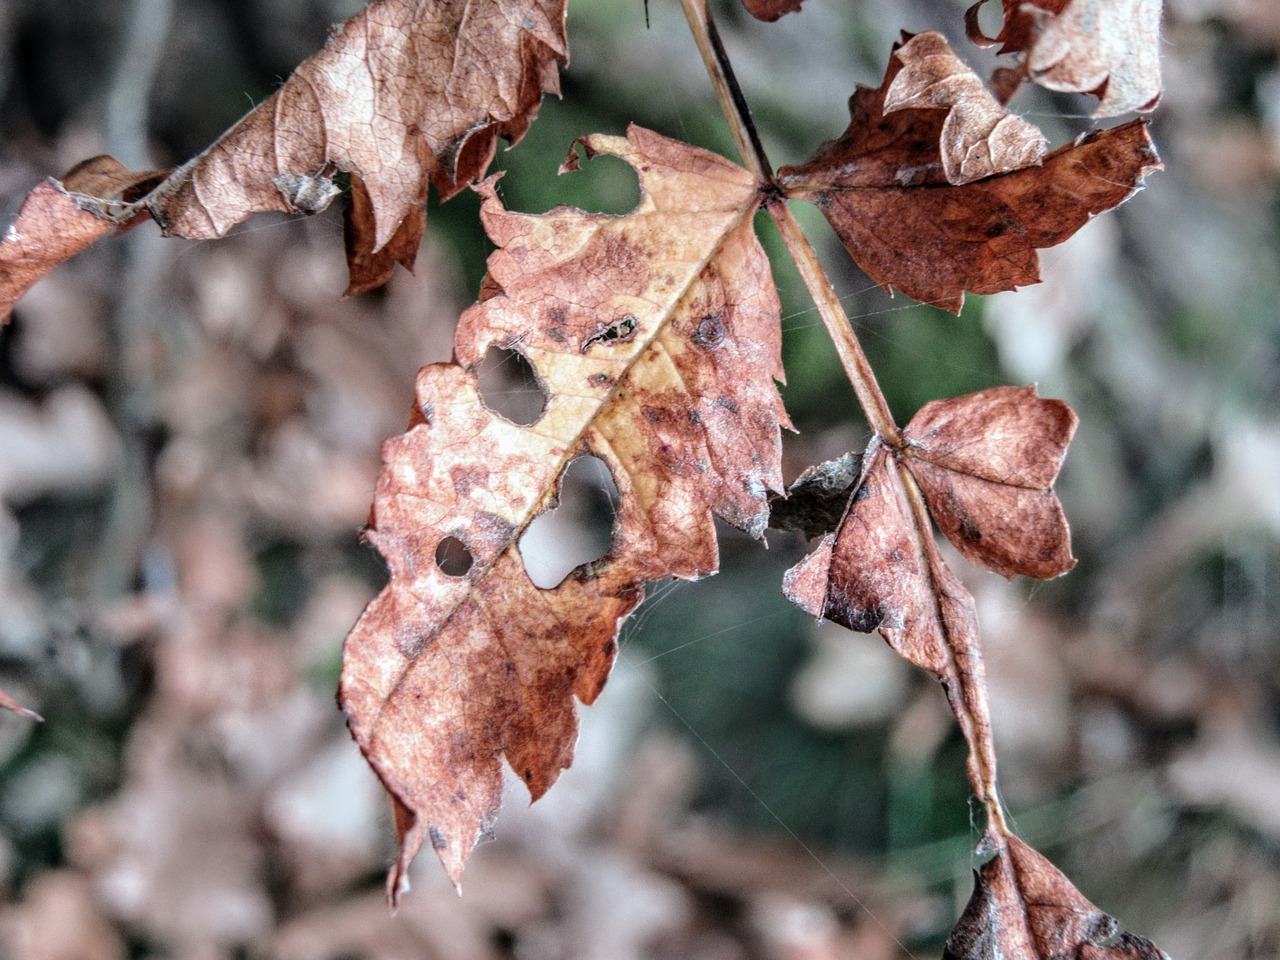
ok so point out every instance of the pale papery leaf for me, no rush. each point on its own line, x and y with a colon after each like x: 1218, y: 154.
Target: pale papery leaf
x: 656, y: 338
x: 979, y: 138
x: 986, y: 463
x: 1109, y: 48
x: 884, y: 188
x: 402, y: 94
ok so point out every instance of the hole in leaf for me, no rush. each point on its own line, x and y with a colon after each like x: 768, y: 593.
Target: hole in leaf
x: 453, y: 558
x: 576, y: 532
x: 509, y: 387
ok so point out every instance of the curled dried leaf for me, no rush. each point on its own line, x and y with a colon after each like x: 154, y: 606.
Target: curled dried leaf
x: 979, y: 138
x: 879, y: 571
x: 884, y: 188
x: 1109, y: 48
x: 58, y: 219
x: 656, y: 338
x: 402, y: 94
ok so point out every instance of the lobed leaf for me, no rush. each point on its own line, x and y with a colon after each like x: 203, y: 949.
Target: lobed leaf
x: 885, y: 189
x: 656, y: 338
x: 986, y: 464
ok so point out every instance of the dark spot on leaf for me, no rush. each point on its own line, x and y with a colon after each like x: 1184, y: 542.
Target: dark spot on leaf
x: 438, y: 842
x: 969, y: 530
x: 599, y: 379
x: 711, y: 332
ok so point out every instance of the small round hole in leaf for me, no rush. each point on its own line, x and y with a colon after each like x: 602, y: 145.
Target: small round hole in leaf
x: 509, y: 387
x: 453, y: 558
x: 578, y: 531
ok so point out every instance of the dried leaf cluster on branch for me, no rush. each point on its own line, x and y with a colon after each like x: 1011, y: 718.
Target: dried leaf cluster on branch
x: 655, y: 337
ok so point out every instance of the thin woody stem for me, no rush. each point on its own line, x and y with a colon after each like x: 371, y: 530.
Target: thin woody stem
x: 969, y: 702
x: 815, y: 278
x: 972, y: 691
x: 838, y: 326
x: 732, y: 102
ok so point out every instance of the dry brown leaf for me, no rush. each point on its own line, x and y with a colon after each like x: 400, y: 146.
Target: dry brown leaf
x: 979, y: 138
x: 59, y: 219
x: 878, y: 572
x: 369, y: 268
x: 1023, y: 908
x: 404, y: 92
x: 656, y: 338
x: 986, y: 463
x: 884, y: 187
x: 1109, y: 48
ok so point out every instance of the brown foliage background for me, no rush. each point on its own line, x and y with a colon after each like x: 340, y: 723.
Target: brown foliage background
x: 189, y: 439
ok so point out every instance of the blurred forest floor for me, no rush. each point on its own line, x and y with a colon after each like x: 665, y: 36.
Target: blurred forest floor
x: 189, y: 436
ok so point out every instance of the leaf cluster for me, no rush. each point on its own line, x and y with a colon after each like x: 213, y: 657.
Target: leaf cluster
x: 655, y: 339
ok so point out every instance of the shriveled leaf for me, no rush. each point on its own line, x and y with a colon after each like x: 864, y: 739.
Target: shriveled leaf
x: 979, y: 138
x: 817, y: 499
x: 8, y: 703
x: 656, y: 338
x: 877, y: 572
x: 986, y: 463
x: 402, y: 94
x: 1023, y: 908
x: 770, y: 10
x: 59, y: 219
x: 883, y: 186
x: 1109, y: 48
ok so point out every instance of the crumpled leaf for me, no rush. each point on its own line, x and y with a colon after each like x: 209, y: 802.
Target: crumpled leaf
x: 656, y: 338
x: 59, y: 219
x: 877, y: 573
x: 986, y: 463
x: 1109, y: 48
x: 884, y: 188
x: 770, y: 10
x: 404, y: 94
x: 1023, y: 908
x: 979, y: 138
x: 817, y: 499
